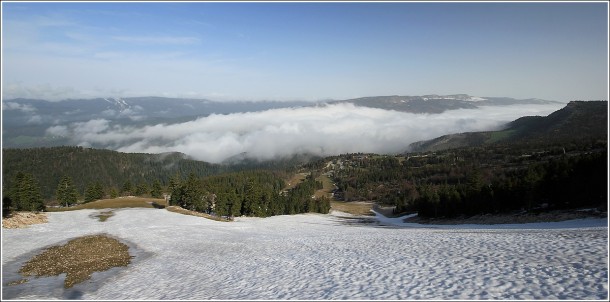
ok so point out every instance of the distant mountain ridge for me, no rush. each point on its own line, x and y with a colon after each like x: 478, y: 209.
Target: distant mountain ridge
x: 138, y: 108
x: 577, y: 121
x: 437, y: 103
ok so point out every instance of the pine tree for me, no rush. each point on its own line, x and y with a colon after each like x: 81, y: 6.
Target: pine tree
x: 94, y: 192
x: 251, y: 204
x: 156, y: 190
x: 26, y: 193
x: 141, y: 189
x: 174, y: 182
x: 7, y: 204
x: 127, y: 188
x: 114, y: 193
x: 66, y: 192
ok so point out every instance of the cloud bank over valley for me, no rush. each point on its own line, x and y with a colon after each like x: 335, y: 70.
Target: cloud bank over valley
x: 320, y: 130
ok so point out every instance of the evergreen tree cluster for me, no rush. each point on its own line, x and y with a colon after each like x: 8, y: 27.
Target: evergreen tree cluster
x: 563, y: 183
x: 250, y: 193
x: 66, y: 194
x: 470, y: 181
x: 97, y: 167
x: 23, y: 196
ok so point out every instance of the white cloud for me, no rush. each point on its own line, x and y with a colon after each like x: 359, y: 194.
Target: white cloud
x: 323, y: 130
x: 58, y: 131
x: 16, y: 106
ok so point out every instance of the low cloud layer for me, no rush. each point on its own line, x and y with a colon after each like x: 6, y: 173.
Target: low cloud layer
x: 324, y: 130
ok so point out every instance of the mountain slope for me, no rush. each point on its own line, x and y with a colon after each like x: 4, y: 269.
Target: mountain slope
x: 577, y: 121
x: 87, y: 166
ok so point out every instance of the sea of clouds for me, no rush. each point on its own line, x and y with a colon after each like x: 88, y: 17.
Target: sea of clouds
x: 319, y: 130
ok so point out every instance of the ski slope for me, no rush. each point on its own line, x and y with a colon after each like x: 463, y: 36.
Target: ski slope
x: 314, y: 257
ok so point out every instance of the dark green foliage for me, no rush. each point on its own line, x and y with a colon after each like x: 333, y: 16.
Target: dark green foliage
x: 7, y: 204
x: 470, y: 181
x: 24, y: 193
x: 250, y: 193
x: 156, y: 190
x: 141, y: 189
x: 110, y: 168
x: 189, y: 195
x: 114, y: 193
x: 127, y: 188
x: 66, y: 194
x: 94, y: 192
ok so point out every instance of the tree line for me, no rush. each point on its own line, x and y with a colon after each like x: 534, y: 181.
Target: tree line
x: 118, y: 172
x: 250, y: 193
x: 470, y: 181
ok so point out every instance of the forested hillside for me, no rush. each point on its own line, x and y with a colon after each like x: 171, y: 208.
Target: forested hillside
x: 252, y: 193
x: 469, y: 181
x: 86, y: 166
x: 65, y: 175
x: 577, y: 122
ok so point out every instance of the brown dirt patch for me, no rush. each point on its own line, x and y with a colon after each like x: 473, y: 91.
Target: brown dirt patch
x: 184, y: 211
x: 353, y: 207
x: 103, y: 216
x: 115, y: 203
x: 78, y: 259
x: 23, y: 219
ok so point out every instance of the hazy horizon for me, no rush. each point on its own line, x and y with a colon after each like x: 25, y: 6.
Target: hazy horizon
x: 304, y: 51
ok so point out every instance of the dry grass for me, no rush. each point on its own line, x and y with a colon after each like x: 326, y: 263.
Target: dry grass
x: 23, y: 219
x: 353, y: 207
x: 78, y: 259
x: 295, y: 180
x: 327, y: 187
x: 183, y: 211
x: 103, y: 216
x: 115, y: 203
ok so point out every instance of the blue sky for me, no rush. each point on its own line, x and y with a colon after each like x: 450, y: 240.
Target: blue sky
x: 304, y: 51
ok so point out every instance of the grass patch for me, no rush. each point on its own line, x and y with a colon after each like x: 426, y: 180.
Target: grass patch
x: 327, y: 187
x: 184, y: 211
x: 78, y: 259
x: 353, y: 207
x: 103, y: 216
x: 295, y: 180
x: 496, y: 136
x: 115, y: 203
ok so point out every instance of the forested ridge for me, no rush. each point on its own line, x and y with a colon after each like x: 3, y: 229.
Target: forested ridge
x: 67, y: 175
x: 110, y: 169
x: 470, y: 181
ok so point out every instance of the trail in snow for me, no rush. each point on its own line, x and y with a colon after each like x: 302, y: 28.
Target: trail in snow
x: 314, y: 256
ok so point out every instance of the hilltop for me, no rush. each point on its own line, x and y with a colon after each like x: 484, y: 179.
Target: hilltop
x: 577, y: 121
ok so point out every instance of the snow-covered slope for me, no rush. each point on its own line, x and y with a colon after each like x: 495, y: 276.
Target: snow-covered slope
x: 315, y: 256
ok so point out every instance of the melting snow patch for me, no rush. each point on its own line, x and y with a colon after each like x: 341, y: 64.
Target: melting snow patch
x: 313, y: 256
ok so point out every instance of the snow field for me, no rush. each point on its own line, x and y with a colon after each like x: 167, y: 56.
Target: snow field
x: 314, y: 256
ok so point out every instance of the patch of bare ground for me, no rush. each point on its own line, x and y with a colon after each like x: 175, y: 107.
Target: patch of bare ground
x: 551, y: 216
x: 362, y: 208
x: 181, y: 210
x: 115, y: 203
x: 103, y: 216
x: 78, y: 259
x: 23, y: 219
